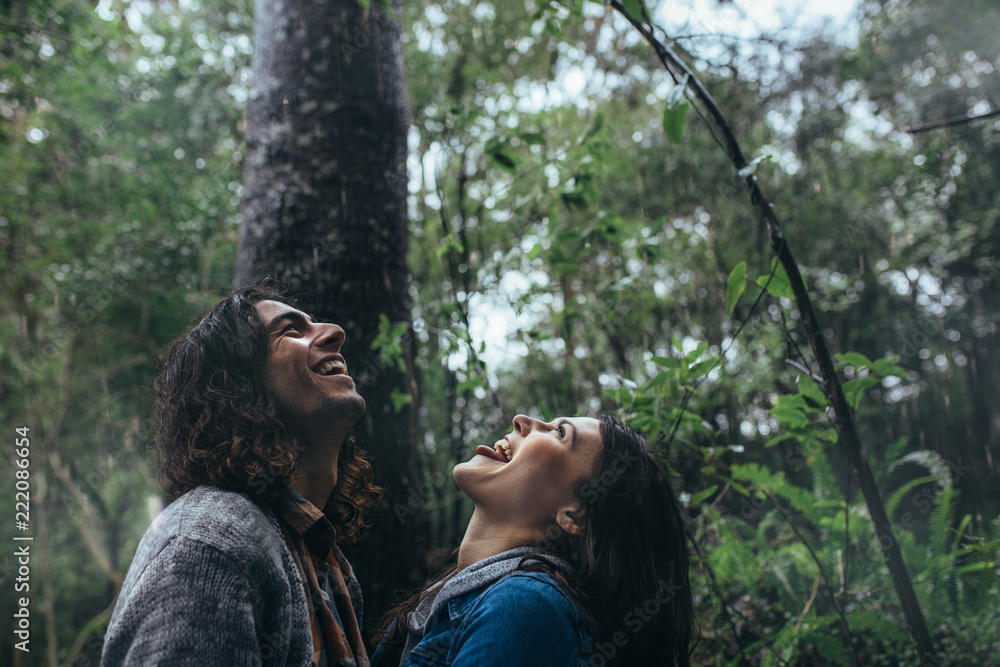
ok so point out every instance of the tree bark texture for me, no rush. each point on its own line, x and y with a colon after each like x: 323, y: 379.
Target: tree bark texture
x: 324, y: 209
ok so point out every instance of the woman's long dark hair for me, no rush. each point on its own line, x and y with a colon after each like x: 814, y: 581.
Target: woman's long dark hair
x: 218, y: 426
x: 631, y: 562
x: 629, y: 566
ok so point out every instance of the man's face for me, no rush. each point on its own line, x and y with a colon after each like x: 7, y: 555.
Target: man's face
x: 305, y: 372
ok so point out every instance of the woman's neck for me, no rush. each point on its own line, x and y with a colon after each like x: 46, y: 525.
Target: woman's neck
x: 484, y: 538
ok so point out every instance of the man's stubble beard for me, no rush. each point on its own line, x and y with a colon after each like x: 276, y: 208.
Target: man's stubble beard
x: 345, y: 408
x: 344, y: 411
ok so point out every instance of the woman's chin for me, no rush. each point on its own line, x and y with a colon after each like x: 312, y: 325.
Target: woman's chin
x: 459, y: 473
x: 468, y: 475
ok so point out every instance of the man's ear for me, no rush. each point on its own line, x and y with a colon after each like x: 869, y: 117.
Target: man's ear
x: 571, y: 519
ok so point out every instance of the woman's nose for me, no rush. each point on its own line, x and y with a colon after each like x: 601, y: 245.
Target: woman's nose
x: 522, y: 424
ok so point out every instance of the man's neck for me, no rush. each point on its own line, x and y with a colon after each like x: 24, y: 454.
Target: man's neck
x: 484, y: 538
x: 316, y: 462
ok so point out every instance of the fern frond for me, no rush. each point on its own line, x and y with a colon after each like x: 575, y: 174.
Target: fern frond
x: 775, y: 483
x: 733, y: 558
x: 832, y: 648
x: 871, y: 621
x: 944, y: 505
x: 900, y: 493
x: 932, y: 461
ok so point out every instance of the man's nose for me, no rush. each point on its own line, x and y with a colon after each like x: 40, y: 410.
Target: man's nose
x: 331, y: 335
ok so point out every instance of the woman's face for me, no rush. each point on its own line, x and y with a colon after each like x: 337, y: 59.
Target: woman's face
x: 536, y: 483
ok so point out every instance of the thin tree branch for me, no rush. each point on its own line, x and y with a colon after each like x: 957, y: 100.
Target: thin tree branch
x: 948, y: 122
x: 916, y: 623
x: 805, y: 610
x: 27, y: 28
x: 762, y: 39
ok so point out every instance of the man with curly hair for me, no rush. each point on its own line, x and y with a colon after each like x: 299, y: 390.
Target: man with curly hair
x: 256, y: 410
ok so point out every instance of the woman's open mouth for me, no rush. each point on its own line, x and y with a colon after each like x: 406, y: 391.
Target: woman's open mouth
x: 491, y: 453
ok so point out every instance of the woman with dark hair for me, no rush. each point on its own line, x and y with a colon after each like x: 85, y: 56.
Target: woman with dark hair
x: 576, y: 554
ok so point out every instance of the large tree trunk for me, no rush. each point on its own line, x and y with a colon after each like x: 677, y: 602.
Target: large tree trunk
x: 324, y: 208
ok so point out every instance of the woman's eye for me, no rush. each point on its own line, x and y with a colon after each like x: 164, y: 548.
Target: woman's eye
x: 562, y: 431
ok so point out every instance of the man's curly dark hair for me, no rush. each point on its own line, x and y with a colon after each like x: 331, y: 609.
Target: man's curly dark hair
x: 218, y: 426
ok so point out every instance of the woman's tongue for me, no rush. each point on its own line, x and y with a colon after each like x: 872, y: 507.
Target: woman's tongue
x: 491, y: 453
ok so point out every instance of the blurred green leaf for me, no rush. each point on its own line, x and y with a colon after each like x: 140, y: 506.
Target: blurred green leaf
x: 778, y: 284
x: 703, y: 495
x: 533, y: 138
x: 789, y: 417
x: 399, y: 400
x: 856, y: 359
x: 854, y: 389
x: 633, y: 8
x: 735, y: 285
x: 811, y: 391
x: 674, y: 121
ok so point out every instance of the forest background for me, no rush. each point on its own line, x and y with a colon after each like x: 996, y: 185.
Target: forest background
x: 572, y: 247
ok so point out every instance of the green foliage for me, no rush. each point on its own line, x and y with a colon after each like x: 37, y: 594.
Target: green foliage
x: 797, y: 525
x: 633, y: 8
x: 675, y: 112
x: 400, y: 400
x: 389, y: 343
x: 759, y: 477
x: 502, y: 154
x: 652, y: 407
x: 867, y: 374
x: 776, y: 282
x: 736, y: 284
x: 674, y: 120
x: 120, y: 157
x: 618, y: 240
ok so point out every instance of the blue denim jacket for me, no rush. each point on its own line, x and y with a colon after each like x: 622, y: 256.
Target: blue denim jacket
x: 524, y: 618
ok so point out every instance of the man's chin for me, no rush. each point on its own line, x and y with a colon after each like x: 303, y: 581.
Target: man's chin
x: 360, y: 405
x: 347, y: 408
x: 338, y: 412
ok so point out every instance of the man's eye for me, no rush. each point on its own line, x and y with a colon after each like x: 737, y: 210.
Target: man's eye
x: 289, y: 327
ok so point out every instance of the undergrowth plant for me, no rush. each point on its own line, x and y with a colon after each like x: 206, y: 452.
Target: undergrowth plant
x: 786, y: 548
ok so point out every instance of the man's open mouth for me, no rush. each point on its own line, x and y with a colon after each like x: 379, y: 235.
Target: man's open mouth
x: 332, y: 367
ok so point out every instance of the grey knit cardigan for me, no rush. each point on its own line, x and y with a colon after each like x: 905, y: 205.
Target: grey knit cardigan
x: 212, y: 583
